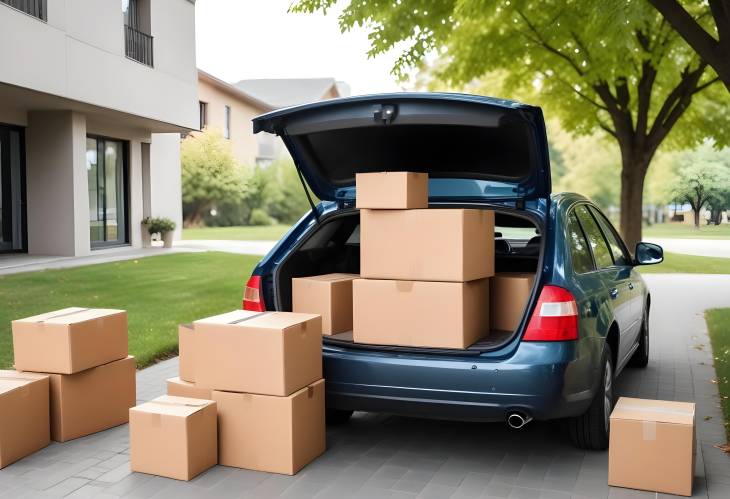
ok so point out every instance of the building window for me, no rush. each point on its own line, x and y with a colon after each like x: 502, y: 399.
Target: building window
x: 227, y: 123
x: 137, y: 38
x: 35, y: 8
x: 203, y: 114
x: 106, y: 167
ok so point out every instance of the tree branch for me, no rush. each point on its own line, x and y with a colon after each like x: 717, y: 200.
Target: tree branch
x: 539, y: 40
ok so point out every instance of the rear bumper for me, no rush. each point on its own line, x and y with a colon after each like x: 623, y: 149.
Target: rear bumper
x: 546, y: 380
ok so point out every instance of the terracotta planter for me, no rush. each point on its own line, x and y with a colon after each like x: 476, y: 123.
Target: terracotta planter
x: 167, y: 239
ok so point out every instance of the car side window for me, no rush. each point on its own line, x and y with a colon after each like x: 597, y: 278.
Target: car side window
x: 617, y: 249
x: 580, y: 255
x: 595, y: 238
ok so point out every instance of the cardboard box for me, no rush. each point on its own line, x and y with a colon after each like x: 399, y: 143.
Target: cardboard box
x: 652, y: 446
x: 508, y: 293
x: 391, y: 190
x: 420, y: 313
x: 186, y: 351
x: 92, y: 400
x: 70, y: 340
x: 328, y: 295
x: 174, y: 437
x: 180, y: 388
x: 273, y: 434
x: 24, y: 424
x: 427, y: 245
x: 270, y: 353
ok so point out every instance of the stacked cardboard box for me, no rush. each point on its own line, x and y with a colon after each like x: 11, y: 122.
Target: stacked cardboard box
x: 24, y: 423
x: 83, y: 352
x: 425, y: 272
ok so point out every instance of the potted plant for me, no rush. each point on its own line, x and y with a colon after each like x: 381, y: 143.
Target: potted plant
x: 164, y: 227
x: 146, y: 236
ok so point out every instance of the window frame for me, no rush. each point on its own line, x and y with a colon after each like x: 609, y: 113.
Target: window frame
x: 203, y: 111
x: 594, y: 266
x: 605, y: 224
x: 227, y: 122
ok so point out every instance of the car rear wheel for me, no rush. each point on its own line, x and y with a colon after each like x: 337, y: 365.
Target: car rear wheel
x: 590, y: 431
x: 641, y: 355
x: 337, y: 416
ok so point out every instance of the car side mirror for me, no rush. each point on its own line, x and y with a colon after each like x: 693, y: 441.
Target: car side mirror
x: 648, y: 254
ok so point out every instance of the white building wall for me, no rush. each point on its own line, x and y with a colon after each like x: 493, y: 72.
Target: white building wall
x: 165, y: 179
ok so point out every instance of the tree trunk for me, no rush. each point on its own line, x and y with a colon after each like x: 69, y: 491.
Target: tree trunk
x: 632, y: 195
x: 697, y: 219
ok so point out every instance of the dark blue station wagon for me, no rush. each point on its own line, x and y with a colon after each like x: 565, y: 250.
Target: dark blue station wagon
x: 587, y: 316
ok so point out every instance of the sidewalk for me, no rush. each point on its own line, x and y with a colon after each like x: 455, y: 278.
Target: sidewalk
x: 699, y: 247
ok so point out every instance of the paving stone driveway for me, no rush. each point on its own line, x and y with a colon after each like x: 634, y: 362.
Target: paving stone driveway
x: 379, y: 456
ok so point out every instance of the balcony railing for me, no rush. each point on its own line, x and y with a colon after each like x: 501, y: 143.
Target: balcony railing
x: 35, y: 8
x: 138, y: 45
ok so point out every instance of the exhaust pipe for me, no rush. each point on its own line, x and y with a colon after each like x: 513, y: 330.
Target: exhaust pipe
x: 517, y: 420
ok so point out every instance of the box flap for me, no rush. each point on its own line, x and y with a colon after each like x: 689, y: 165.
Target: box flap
x: 10, y: 380
x: 660, y: 411
x: 173, y: 406
x: 280, y: 320
x: 229, y: 317
x: 71, y: 315
x: 330, y: 277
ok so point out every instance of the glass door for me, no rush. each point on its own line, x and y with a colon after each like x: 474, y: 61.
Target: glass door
x: 106, y: 166
x: 12, y: 190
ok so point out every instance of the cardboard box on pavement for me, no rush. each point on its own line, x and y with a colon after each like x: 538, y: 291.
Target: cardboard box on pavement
x: 328, y: 295
x: 174, y: 437
x: 186, y: 351
x: 69, y: 340
x: 391, y: 190
x: 427, y: 245
x: 92, y: 400
x: 508, y: 294
x: 420, y: 313
x: 24, y: 424
x: 652, y: 446
x: 180, y: 388
x: 269, y: 433
x: 270, y: 353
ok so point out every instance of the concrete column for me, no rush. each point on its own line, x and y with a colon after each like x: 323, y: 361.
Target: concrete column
x: 165, y: 180
x: 135, y: 193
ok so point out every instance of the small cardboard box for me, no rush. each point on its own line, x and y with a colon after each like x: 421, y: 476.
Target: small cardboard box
x: 92, y: 400
x: 508, y: 293
x: 420, y: 313
x: 174, y: 437
x: 180, y: 388
x: 652, y: 446
x: 427, y: 245
x: 70, y: 340
x: 273, y: 434
x: 328, y: 295
x: 391, y: 190
x: 24, y: 423
x: 186, y: 351
x: 270, y: 353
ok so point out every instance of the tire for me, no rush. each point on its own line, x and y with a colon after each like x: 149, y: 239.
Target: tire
x: 337, y: 416
x: 641, y: 355
x: 590, y: 431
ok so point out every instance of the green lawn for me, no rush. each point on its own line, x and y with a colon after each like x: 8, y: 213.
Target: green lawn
x: 718, y: 324
x: 684, y: 231
x: 157, y: 292
x: 240, y: 233
x: 688, y: 264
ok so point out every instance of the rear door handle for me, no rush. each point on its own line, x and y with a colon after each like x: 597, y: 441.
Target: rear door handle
x: 631, y: 285
x: 613, y: 293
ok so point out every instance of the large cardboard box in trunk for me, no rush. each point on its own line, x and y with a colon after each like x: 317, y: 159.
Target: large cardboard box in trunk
x: 420, y: 313
x: 268, y: 433
x: 24, y: 424
x: 92, y: 400
x: 180, y: 388
x: 508, y: 293
x: 652, y: 446
x: 427, y: 245
x: 186, y: 351
x: 270, y: 353
x: 69, y: 340
x: 174, y: 437
x: 328, y: 295
x: 391, y: 190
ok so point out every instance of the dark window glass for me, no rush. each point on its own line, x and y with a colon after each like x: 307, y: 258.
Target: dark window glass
x: 203, y: 114
x: 580, y: 255
x: 227, y: 123
x: 595, y: 238
x: 617, y: 249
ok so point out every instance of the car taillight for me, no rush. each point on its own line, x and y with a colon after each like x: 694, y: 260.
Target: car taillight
x: 252, y: 299
x: 555, y: 317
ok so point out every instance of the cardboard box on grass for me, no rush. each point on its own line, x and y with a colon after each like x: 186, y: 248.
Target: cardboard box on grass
x: 420, y: 313
x: 271, y: 353
x: 652, y: 446
x: 174, y: 437
x: 70, y: 340
x: 437, y: 244
x: 24, y: 420
x: 270, y: 433
x: 508, y: 294
x: 92, y: 400
x: 391, y: 190
x: 186, y: 352
x: 180, y: 388
x: 328, y: 295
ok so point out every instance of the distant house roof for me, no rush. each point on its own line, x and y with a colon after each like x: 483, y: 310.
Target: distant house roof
x: 233, y: 91
x: 285, y: 92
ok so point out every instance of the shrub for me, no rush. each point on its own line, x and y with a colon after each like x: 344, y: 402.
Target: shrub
x: 260, y: 217
x: 159, y: 225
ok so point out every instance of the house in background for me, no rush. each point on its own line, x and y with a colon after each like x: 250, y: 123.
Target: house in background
x: 230, y: 108
x: 93, y: 98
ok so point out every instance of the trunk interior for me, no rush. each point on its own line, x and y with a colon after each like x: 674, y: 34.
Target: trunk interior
x: 334, y: 247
